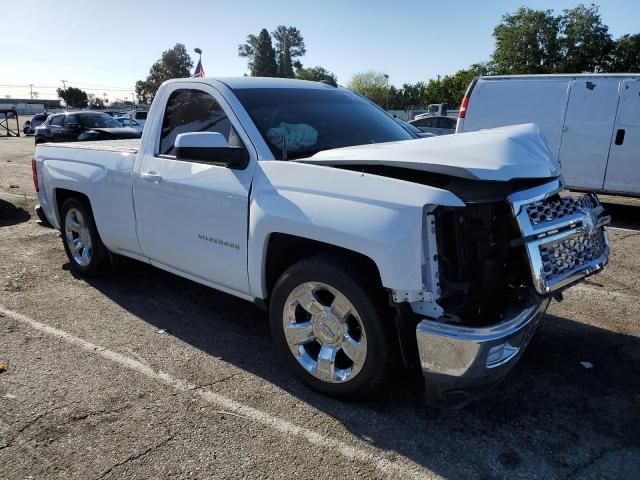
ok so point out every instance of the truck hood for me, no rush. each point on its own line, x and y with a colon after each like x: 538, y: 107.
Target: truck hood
x: 499, y: 154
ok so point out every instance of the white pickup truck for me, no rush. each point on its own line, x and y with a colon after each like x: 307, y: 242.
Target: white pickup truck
x: 373, y: 250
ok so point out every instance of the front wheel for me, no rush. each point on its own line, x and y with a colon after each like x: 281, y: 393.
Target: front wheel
x: 330, y: 325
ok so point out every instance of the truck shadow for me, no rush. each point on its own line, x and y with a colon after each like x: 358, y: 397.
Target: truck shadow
x: 550, y: 418
x: 10, y: 214
x: 624, y: 215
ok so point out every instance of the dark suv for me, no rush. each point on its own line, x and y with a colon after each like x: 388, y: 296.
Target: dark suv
x: 31, y: 125
x: 82, y: 126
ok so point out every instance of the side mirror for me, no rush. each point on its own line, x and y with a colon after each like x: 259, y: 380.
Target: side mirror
x: 210, y: 147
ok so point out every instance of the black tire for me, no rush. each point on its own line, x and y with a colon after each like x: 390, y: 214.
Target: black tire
x: 368, y: 300
x: 99, y: 257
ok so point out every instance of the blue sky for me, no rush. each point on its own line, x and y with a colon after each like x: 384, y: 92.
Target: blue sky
x: 102, y: 46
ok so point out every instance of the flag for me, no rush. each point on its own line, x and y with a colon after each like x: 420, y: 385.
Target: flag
x: 199, y: 70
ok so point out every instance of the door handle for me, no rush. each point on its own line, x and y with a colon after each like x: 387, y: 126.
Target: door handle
x: 151, y: 177
x: 620, y: 136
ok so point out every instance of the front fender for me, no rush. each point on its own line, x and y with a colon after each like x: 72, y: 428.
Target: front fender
x: 375, y: 216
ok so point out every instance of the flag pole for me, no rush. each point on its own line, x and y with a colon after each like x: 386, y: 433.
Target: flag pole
x: 199, y: 52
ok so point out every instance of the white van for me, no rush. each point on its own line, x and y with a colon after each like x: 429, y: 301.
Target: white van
x: 591, y: 122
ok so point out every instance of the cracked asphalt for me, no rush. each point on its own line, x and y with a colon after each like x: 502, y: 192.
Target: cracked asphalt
x: 142, y: 374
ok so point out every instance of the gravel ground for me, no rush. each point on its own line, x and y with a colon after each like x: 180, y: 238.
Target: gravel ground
x: 142, y: 374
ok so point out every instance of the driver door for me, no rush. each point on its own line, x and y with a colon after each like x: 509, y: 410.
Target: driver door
x: 193, y: 216
x: 70, y: 129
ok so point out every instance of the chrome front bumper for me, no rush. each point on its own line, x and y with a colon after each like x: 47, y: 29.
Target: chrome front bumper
x: 565, y: 241
x: 460, y: 362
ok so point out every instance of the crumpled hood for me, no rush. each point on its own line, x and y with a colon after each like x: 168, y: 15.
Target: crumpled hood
x: 499, y: 154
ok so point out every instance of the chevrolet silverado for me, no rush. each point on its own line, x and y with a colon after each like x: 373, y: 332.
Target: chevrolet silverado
x: 372, y: 249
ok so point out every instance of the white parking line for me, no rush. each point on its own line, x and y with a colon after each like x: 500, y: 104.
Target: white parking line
x: 21, y: 195
x: 5, y: 164
x: 285, y: 427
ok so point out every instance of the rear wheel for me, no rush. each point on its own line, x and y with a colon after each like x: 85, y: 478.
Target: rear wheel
x: 85, y: 250
x: 328, y: 323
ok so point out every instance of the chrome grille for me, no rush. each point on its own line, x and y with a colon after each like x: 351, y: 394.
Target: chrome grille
x: 565, y: 256
x: 563, y: 234
x: 556, y: 207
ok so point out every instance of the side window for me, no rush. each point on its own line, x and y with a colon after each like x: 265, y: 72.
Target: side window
x: 68, y: 119
x: 447, y: 123
x: 429, y: 122
x: 420, y: 123
x: 191, y: 111
x: 56, y: 121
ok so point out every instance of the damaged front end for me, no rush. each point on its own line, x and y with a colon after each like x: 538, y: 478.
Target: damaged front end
x: 498, y: 263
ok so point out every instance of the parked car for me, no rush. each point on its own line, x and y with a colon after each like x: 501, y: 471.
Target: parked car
x: 128, y: 122
x: 82, y: 126
x: 438, y: 125
x: 437, y: 109
x: 362, y: 241
x: 415, y: 130
x: 139, y: 115
x: 590, y: 122
x: 29, y: 127
x: 114, y: 113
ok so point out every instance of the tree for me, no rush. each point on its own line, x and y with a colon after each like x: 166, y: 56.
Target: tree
x: 95, y: 102
x: 264, y: 59
x: 248, y: 50
x: 73, y: 97
x: 585, y: 41
x: 451, y: 88
x: 289, y: 47
x: 625, y: 55
x: 371, y: 84
x: 174, y: 63
x: 527, y: 42
x: 315, y: 74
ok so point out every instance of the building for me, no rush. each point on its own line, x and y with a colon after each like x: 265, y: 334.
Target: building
x: 26, y: 106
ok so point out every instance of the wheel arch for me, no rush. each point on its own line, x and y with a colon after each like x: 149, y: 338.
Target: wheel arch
x: 60, y: 195
x: 283, y: 250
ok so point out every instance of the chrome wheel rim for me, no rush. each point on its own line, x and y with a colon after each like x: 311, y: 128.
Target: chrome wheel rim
x: 78, y: 237
x: 324, y: 332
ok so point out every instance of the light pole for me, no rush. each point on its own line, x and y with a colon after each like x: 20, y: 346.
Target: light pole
x: 66, y: 97
x: 387, y: 78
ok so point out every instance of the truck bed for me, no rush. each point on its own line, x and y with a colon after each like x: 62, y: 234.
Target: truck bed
x: 121, y: 146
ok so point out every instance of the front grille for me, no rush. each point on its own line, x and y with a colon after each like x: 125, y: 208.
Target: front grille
x: 565, y: 256
x: 556, y: 207
x: 563, y: 234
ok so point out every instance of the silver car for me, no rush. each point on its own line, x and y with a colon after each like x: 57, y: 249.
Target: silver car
x: 437, y: 124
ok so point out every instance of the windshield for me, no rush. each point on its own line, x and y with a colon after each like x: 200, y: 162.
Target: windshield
x: 98, y: 120
x: 302, y: 122
x: 37, y: 121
